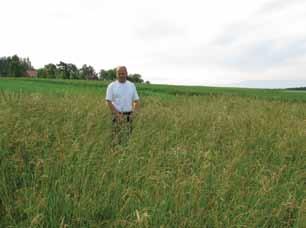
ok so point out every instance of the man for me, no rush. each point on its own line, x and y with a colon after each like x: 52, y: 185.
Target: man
x: 123, y: 100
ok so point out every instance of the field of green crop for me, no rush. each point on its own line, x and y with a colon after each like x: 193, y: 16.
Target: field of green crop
x: 198, y: 157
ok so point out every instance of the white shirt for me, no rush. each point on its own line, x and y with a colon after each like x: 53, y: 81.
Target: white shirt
x: 122, y: 95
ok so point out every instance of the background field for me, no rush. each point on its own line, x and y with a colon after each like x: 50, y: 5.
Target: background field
x: 198, y: 157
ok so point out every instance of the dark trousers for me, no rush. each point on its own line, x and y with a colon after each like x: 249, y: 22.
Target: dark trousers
x: 121, y: 129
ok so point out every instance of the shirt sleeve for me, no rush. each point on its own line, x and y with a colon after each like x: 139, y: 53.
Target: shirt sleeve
x: 109, y: 93
x: 135, y: 94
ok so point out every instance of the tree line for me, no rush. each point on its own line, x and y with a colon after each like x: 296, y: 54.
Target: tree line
x: 14, y: 66
x: 19, y: 67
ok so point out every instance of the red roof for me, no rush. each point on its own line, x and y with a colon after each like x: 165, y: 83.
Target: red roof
x: 31, y: 73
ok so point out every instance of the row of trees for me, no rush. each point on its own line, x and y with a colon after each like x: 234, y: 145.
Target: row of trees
x: 14, y: 66
x: 86, y: 72
x: 111, y: 75
x: 67, y: 71
x: 18, y: 67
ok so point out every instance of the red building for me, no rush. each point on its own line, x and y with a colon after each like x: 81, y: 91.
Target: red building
x: 31, y: 73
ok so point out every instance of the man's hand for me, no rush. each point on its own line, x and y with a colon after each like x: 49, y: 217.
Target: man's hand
x: 136, y: 106
x: 119, y: 117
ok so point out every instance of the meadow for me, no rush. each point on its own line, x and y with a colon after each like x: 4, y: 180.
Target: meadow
x: 197, y: 157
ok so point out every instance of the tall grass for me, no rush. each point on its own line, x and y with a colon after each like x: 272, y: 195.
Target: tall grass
x: 209, y: 161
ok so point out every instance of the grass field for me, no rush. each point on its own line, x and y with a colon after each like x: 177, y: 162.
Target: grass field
x: 198, y: 157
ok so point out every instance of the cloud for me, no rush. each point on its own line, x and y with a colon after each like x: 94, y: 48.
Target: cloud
x: 277, y: 5
x: 261, y: 43
x: 166, y: 41
x: 255, y: 56
x: 158, y: 29
x: 263, y: 55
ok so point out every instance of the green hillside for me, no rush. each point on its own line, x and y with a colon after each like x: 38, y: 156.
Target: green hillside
x: 70, y: 86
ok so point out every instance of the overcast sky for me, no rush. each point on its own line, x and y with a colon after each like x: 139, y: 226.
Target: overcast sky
x: 192, y: 42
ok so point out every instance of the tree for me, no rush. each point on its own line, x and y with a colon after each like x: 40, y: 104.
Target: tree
x: 73, y: 71
x: 108, y: 75
x: 62, y: 70
x: 42, y: 73
x: 51, y: 70
x: 101, y: 74
x: 135, y: 78
x: 14, y: 66
x: 67, y: 71
x: 4, y: 67
x: 88, y: 72
x: 17, y: 67
x: 27, y: 64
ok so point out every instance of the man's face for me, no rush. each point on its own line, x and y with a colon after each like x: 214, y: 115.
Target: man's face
x: 122, y: 74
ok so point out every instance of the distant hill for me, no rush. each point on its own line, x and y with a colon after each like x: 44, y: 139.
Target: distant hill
x: 272, y: 84
x: 298, y: 88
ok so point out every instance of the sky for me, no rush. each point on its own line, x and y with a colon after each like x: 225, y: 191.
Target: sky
x: 187, y: 42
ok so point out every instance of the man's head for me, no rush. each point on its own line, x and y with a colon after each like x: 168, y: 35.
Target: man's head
x: 121, y: 73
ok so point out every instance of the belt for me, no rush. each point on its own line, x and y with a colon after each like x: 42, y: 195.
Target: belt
x: 126, y: 113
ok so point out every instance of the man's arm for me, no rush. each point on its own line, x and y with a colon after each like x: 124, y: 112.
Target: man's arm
x: 108, y: 99
x: 111, y: 107
x: 109, y: 103
x: 119, y: 115
x: 136, y: 102
x: 136, y: 106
